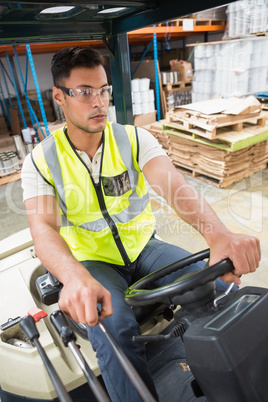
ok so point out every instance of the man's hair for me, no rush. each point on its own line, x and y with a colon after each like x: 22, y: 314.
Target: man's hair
x: 65, y: 60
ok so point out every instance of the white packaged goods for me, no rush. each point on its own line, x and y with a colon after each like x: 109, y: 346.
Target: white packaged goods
x: 169, y: 77
x: 151, y: 107
x: 135, y: 85
x: 151, y: 95
x: 246, y: 17
x: 26, y: 134
x: 136, y: 98
x: 136, y: 109
x: 232, y: 68
x: 142, y: 96
x: 144, y: 84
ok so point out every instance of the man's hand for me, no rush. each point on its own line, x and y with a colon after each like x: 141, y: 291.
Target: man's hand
x: 243, y: 250
x: 81, y: 292
x: 79, y: 298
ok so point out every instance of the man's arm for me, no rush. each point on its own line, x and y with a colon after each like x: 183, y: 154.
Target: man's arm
x: 81, y: 292
x: 243, y: 250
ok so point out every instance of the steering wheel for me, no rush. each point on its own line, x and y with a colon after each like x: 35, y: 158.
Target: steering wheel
x: 177, y: 292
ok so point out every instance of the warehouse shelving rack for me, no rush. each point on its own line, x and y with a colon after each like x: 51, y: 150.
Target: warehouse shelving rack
x: 137, y: 19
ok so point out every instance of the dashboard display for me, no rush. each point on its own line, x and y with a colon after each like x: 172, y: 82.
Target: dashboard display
x: 232, y: 312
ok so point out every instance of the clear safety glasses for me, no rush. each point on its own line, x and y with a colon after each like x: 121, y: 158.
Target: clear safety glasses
x: 87, y: 94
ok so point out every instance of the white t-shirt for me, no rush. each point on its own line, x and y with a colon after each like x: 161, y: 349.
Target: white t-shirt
x: 34, y: 185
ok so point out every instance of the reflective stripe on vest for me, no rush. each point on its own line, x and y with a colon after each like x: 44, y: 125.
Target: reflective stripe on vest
x: 136, y: 205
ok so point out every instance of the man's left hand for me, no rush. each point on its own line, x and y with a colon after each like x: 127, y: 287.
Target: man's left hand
x: 243, y: 250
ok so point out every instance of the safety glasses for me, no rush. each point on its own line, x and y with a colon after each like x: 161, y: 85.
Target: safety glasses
x: 87, y: 94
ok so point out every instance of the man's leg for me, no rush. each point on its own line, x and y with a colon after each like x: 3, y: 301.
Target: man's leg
x: 158, y: 254
x: 122, y: 325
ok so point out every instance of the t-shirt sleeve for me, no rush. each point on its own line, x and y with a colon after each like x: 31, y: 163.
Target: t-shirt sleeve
x: 149, y: 147
x: 33, y: 185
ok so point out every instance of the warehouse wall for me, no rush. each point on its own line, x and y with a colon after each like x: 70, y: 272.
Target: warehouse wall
x: 42, y: 66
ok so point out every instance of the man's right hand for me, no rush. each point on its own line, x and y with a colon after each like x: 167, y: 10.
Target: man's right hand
x: 79, y: 298
x: 81, y: 292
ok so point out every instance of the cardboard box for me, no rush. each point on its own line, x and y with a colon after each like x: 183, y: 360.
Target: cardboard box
x: 144, y: 119
x: 184, y: 68
x: 3, y: 126
x: 15, y: 121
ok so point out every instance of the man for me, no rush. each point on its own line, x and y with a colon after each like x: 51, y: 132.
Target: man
x: 90, y: 215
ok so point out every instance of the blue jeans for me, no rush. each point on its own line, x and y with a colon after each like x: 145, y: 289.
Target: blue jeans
x: 122, y: 324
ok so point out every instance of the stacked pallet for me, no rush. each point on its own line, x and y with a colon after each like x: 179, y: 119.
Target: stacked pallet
x: 219, y: 148
x: 216, y: 166
x: 156, y: 129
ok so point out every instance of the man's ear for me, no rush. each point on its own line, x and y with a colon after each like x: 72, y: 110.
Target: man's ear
x: 58, y: 95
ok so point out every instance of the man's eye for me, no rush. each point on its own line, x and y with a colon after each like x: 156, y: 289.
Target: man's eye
x: 86, y: 91
x: 104, y: 90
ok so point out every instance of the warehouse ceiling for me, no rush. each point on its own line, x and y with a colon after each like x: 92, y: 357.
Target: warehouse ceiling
x: 44, y: 21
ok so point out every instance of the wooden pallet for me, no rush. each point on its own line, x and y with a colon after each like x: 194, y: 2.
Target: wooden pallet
x: 196, y: 22
x: 231, y: 141
x: 225, y: 171
x: 217, y: 166
x: 220, y: 183
x: 220, y: 164
x: 10, y: 178
x: 264, y: 33
x: 246, y: 36
x: 156, y: 130
x: 213, y: 126
x: 177, y: 85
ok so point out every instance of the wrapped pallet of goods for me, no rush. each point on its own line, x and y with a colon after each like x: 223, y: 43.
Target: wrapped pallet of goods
x: 230, y: 68
x: 246, y: 17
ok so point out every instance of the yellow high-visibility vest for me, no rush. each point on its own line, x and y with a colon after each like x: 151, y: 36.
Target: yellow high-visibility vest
x: 111, y: 221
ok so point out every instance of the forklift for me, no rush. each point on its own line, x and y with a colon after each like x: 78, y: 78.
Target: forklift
x: 201, y: 344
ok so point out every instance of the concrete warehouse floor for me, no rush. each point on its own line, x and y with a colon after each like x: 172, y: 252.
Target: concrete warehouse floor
x: 243, y: 207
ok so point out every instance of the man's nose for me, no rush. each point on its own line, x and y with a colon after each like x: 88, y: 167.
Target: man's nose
x: 98, y: 100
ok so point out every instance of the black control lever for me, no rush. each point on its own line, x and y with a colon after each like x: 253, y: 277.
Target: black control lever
x: 68, y: 338
x: 28, y: 325
x: 177, y: 331
x: 133, y: 375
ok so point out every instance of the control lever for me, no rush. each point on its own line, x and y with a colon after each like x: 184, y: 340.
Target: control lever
x: 28, y: 325
x: 228, y: 290
x: 68, y: 338
x: 136, y: 380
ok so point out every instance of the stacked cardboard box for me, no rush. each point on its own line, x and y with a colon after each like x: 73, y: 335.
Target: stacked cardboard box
x: 184, y: 68
x: 216, y: 166
x: 177, y: 84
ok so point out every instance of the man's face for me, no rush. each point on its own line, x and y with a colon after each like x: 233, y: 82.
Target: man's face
x: 89, y: 117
